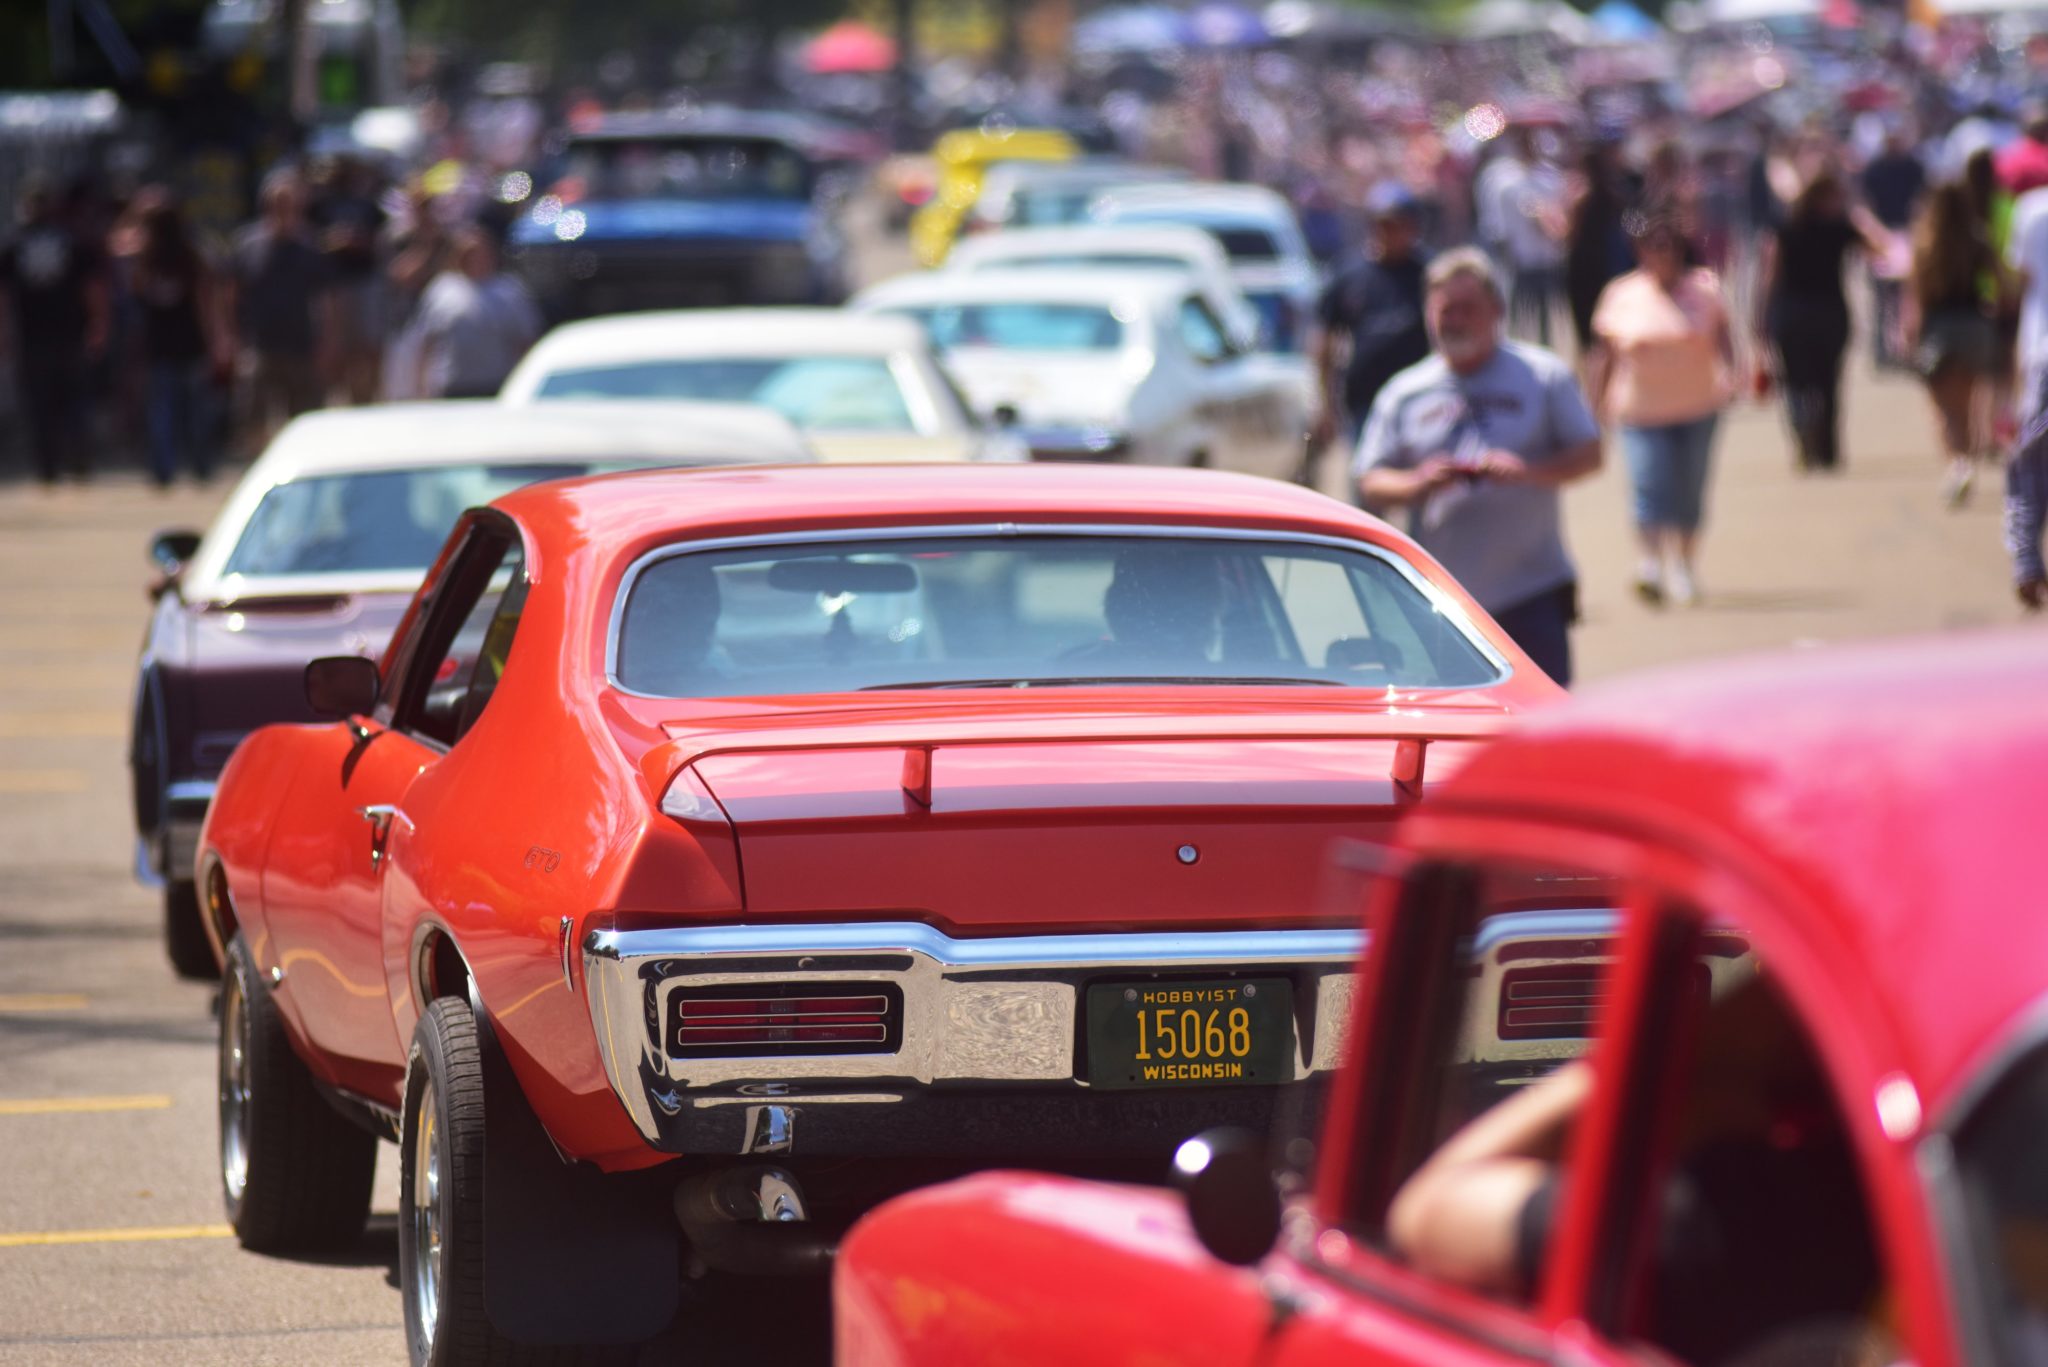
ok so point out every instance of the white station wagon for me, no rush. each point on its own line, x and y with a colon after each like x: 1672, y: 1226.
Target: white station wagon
x: 1105, y: 364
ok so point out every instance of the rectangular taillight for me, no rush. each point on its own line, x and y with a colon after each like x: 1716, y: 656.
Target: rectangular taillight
x: 1554, y: 1001
x: 771, y: 1020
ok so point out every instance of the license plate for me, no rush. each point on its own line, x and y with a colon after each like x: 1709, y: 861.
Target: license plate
x: 1227, y: 1032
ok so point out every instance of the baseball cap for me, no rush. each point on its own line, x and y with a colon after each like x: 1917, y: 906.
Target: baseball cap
x: 1392, y: 199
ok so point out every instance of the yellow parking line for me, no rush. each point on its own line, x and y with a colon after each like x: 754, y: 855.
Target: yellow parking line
x: 43, y: 780
x: 79, y: 1105
x: 114, y: 1236
x: 42, y: 1001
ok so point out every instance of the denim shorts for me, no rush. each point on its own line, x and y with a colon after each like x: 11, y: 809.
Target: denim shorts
x: 1668, y: 466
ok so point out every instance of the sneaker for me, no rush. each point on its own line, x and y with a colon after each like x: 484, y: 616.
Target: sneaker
x: 1650, y: 585
x: 1955, y: 485
x: 1684, y: 592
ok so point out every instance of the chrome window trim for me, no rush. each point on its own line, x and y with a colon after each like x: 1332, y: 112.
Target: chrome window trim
x: 1440, y: 601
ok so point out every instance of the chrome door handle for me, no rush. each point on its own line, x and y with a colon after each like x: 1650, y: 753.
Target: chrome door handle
x: 379, y: 815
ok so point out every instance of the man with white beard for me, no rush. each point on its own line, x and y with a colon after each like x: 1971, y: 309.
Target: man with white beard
x: 1475, y: 442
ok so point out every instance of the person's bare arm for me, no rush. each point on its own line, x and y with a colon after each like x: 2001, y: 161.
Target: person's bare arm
x: 1329, y: 363
x: 1458, y: 1216
x: 1876, y: 238
x: 1766, y: 283
x: 1572, y: 463
x: 1382, y: 487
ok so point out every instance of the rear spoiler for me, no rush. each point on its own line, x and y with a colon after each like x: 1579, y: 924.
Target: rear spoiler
x: 919, y: 742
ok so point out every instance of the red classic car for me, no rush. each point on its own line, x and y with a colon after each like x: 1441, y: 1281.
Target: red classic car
x: 1807, y: 1128
x: 818, y: 827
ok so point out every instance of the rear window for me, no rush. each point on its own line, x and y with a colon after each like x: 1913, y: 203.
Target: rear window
x: 686, y: 168
x: 1020, y: 326
x: 377, y: 520
x: 1247, y: 244
x: 1034, y: 611
x: 837, y: 393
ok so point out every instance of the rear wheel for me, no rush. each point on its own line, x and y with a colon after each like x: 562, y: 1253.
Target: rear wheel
x: 295, y: 1172
x: 185, y: 942
x: 441, y: 1206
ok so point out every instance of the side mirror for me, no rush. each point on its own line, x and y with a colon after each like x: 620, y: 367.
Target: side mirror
x: 170, y: 550
x: 341, y: 685
x: 1233, y: 1203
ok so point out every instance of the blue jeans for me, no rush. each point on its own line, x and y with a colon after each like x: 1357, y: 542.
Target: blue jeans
x: 177, y: 419
x: 1541, y: 626
x: 1668, y: 466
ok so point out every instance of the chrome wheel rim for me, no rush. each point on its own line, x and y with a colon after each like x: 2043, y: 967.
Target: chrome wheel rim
x: 234, y: 1089
x: 426, y: 1214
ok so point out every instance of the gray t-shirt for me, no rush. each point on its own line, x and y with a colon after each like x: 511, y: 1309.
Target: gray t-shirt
x: 474, y: 333
x: 1503, y: 542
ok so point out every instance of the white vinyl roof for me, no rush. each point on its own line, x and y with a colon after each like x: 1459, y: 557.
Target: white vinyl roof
x: 1208, y: 201
x: 678, y: 333
x: 1184, y: 242
x: 1093, y: 285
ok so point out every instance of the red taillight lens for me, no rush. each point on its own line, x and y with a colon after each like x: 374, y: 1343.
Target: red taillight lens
x: 859, y: 1019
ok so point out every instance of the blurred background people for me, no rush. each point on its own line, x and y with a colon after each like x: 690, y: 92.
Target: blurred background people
x: 1474, y: 443
x: 1803, y: 310
x: 1371, y: 315
x: 1893, y: 183
x: 1597, y: 247
x: 280, y: 286
x: 475, y: 322
x: 182, y: 335
x: 1662, y: 369
x: 53, y: 293
x: 1949, y: 326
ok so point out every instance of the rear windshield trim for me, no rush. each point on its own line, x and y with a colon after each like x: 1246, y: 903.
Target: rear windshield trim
x: 1452, y: 611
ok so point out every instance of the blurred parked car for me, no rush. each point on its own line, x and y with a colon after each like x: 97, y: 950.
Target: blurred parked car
x: 1105, y: 364
x: 1259, y: 233
x: 1025, y: 194
x: 859, y: 387
x: 1828, y: 1154
x: 665, y: 211
x: 961, y: 158
x: 317, y: 552
x: 1112, y: 246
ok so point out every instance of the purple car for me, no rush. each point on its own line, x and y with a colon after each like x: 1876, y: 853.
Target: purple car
x: 318, y: 552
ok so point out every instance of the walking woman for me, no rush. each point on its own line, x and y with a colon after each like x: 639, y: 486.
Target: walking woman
x: 1803, y: 312
x: 178, y: 299
x: 1948, y: 327
x: 1662, y: 369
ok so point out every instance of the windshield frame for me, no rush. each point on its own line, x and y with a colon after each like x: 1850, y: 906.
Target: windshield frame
x: 1442, y: 602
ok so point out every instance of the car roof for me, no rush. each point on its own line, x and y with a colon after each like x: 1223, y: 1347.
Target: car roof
x: 1094, y: 284
x: 464, y: 431
x: 656, y: 507
x: 1183, y: 240
x: 725, y: 332
x: 411, y: 436
x: 1895, y: 788
x: 1215, y: 201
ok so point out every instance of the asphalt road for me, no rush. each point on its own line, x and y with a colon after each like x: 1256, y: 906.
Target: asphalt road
x: 112, y: 1246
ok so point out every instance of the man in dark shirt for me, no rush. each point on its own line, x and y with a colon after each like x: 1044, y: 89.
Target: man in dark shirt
x: 280, y: 283
x: 1371, y: 314
x: 53, y: 284
x: 1892, y: 183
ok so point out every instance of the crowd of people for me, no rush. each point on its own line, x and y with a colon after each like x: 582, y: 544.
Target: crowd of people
x: 132, y: 328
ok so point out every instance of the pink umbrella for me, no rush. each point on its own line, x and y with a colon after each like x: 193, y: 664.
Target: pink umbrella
x: 849, y: 46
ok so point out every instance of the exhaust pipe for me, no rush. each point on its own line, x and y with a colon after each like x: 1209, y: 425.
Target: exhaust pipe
x: 751, y: 1221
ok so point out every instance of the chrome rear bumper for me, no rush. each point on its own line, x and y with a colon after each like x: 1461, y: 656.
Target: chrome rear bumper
x: 997, y: 1017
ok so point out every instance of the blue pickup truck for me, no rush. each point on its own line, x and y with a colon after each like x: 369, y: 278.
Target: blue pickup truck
x: 672, y: 211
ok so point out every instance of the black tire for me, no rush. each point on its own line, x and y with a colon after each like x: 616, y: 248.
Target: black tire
x: 442, y: 1131
x: 185, y: 942
x: 295, y: 1172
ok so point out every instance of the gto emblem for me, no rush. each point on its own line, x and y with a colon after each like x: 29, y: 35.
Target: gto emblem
x: 1187, y: 854
x: 539, y: 856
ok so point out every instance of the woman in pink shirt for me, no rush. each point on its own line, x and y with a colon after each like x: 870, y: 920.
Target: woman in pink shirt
x: 1662, y: 370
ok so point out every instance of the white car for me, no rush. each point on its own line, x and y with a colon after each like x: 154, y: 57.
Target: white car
x: 318, y: 552
x: 1043, y: 194
x: 1105, y: 364
x: 1165, y: 247
x: 860, y: 389
x: 1258, y: 232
